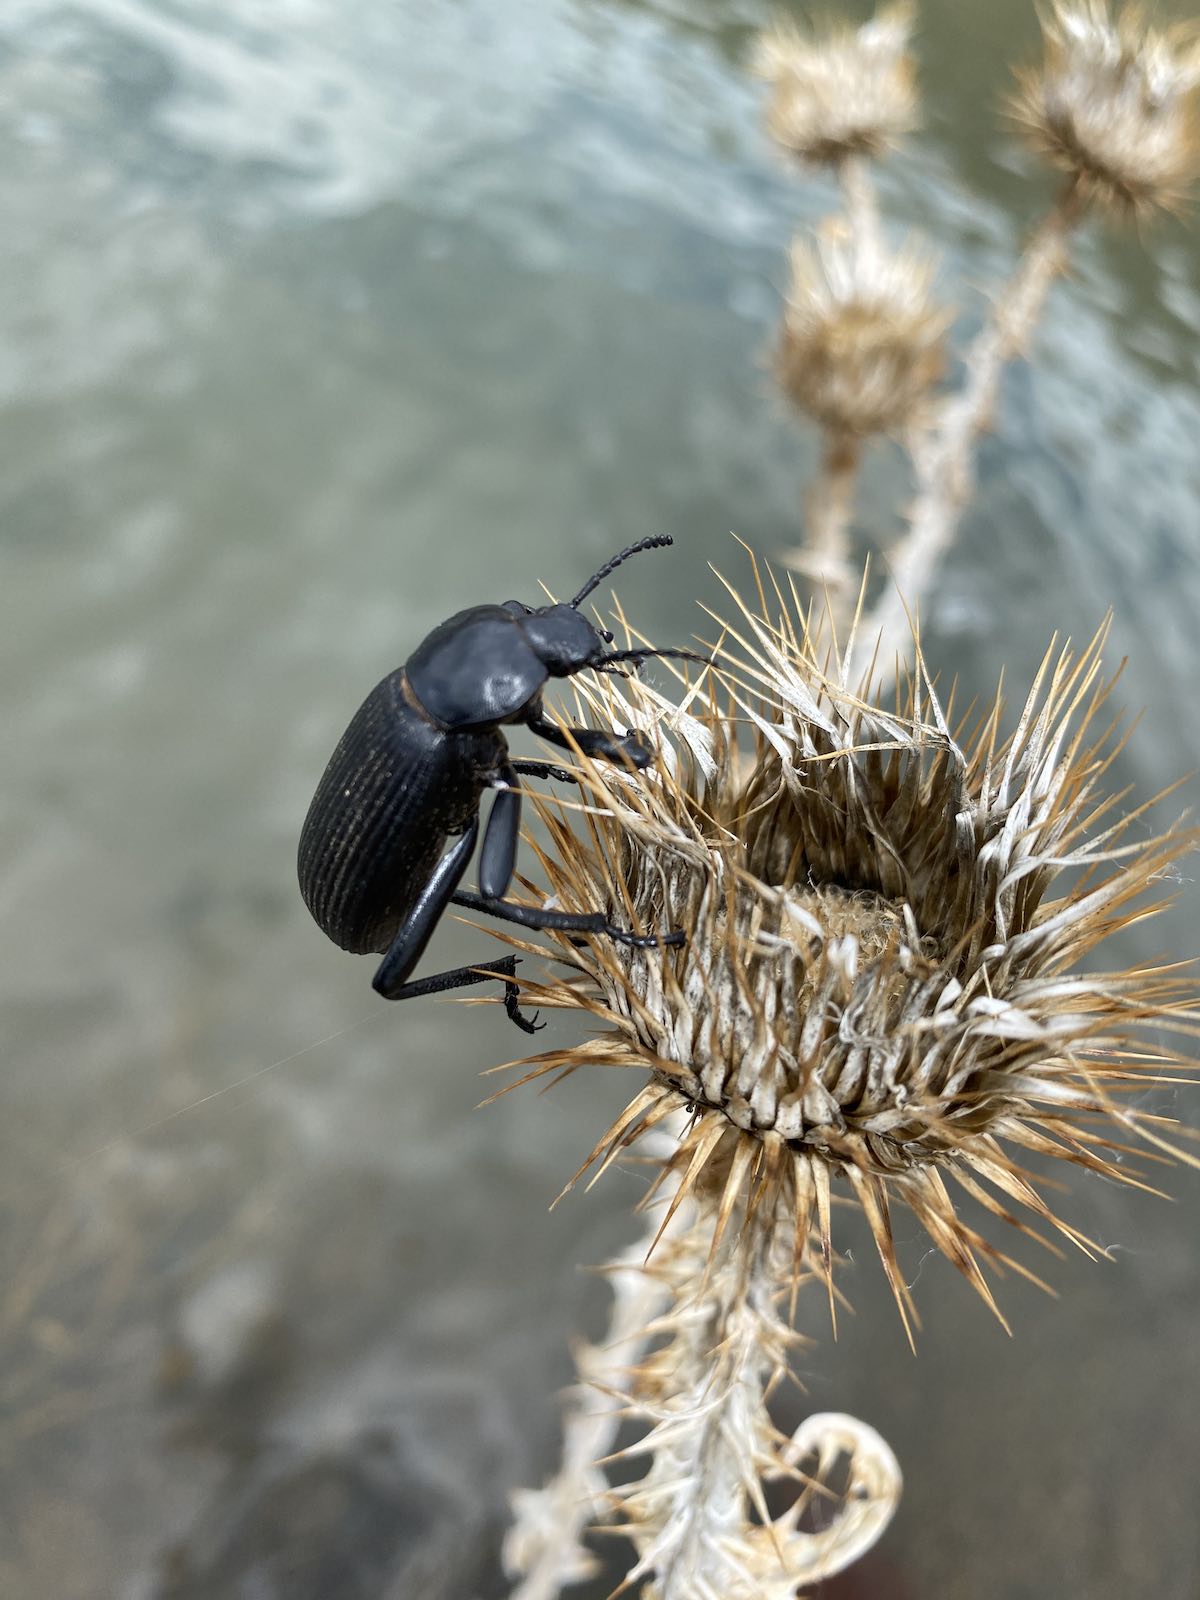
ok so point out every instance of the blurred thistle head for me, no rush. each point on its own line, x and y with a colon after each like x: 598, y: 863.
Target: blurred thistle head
x: 863, y: 341
x: 1114, y: 104
x: 883, y: 986
x: 851, y: 93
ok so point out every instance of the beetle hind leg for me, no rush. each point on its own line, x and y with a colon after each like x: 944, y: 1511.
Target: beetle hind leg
x: 463, y: 977
x: 417, y: 928
x: 547, y: 921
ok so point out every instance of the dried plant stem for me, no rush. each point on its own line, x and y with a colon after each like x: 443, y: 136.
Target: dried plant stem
x: 696, y: 1344
x: 724, y: 1346
x: 544, y: 1547
x: 861, y: 202
x: 943, y: 454
x: 825, y: 554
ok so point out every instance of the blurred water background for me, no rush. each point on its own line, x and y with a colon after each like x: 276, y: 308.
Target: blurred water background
x: 317, y: 322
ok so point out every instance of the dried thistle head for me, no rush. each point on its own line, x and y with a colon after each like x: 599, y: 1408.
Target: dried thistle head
x: 1114, y: 104
x: 863, y: 341
x: 851, y: 93
x: 883, y: 985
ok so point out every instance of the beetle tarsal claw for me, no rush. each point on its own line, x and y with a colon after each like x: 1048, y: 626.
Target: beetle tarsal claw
x: 512, y: 1005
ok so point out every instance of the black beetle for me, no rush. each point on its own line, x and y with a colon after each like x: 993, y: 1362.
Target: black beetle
x: 409, y: 773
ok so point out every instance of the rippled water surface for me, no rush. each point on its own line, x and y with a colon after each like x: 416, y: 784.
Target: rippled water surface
x: 317, y: 322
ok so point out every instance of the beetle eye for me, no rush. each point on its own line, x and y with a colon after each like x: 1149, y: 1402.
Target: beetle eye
x: 605, y: 635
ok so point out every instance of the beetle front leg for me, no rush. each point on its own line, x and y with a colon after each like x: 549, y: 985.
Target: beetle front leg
x: 618, y: 747
x: 543, y: 769
x: 498, y: 858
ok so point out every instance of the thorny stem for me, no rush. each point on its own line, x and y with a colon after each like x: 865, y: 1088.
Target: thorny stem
x: 698, y: 1518
x: 858, y: 194
x: 544, y: 1546
x: 718, y: 1356
x: 825, y: 554
x: 943, y: 455
x: 692, y: 1516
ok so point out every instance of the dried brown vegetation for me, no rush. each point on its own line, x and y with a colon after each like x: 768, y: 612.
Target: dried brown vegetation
x: 886, y: 986
x: 1114, y: 104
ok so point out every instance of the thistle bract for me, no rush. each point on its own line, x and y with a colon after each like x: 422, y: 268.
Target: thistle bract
x: 851, y: 93
x: 889, y: 919
x: 862, y: 342
x: 1114, y: 104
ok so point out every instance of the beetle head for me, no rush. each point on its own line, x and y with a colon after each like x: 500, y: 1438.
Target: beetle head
x: 563, y: 640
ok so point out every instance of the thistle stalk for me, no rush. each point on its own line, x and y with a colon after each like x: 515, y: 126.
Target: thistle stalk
x: 707, y: 1297
x: 1113, y: 105
x: 825, y: 554
x: 702, y: 1393
x: 859, y: 198
x: 943, y: 454
x: 544, y: 1546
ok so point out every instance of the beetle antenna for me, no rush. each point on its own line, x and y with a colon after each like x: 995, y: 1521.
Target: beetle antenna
x: 654, y: 543
x: 638, y: 656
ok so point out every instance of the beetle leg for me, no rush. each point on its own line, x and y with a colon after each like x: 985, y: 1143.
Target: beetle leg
x: 409, y: 944
x: 593, y: 742
x: 512, y: 1004
x: 546, y: 921
x: 463, y: 977
x: 415, y: 932
x: 498, y: 857
x: 543, y: 769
